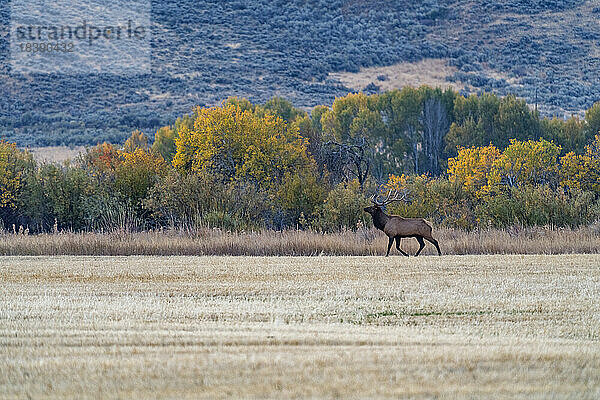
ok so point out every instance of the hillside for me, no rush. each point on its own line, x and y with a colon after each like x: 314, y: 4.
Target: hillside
x: 310, y: 51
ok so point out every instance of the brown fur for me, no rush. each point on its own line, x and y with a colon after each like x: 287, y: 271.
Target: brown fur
x: 396, y: 228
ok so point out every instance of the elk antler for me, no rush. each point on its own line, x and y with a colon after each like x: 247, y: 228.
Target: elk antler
x: 393, y: 195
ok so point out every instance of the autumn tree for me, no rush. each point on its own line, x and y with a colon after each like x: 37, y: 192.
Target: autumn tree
x: 472, y: 165
x: 239, y: 145
x: 137, y: 140
x: 14, y: 165
x: 102, y: 159
x: 525, y: 163
x: 255, y: 156
x: 137, y: 173
x: 582, y: 171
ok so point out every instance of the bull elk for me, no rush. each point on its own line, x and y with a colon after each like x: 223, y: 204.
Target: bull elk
x: 396, y: 227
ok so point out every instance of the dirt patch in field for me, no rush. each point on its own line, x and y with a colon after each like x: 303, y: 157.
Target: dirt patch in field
x: 432, y: 72
x: 56, y: 154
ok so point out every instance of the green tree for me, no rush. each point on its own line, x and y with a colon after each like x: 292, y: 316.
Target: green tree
x: 316, y: 116
x: 569, y: 134
x: 67, y: 193
x: 283, y: 109
x: 592, y: 121
x: 399, y: 143
x: 164, y: 143
x: 514, y: 121
x: 466, y: 134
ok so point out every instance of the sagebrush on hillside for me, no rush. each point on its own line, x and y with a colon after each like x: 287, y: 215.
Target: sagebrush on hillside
x: 538, y: 50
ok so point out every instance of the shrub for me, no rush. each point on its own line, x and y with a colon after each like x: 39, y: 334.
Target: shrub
x: 182, y: 198
x: 443, y: 202
x: 538, y: 205
x: 342, y: 208
x: 137, y: 173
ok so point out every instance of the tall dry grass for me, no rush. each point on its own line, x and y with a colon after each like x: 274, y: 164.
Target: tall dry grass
x: 300, y: 243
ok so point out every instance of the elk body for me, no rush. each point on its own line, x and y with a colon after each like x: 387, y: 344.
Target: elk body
x: 396, y: 228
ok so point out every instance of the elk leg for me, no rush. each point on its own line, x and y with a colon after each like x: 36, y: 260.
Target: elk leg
x: 398, y: 238
x: 390, y: 246
x: 435, y: 243
x: 421, y: 244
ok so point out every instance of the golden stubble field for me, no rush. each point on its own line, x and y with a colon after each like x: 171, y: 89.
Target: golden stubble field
x: 307, y: 327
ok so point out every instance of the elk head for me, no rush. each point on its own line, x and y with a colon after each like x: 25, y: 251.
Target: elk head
x: 379, y: 202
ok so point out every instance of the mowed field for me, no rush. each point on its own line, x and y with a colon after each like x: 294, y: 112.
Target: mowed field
x: 454, y: 327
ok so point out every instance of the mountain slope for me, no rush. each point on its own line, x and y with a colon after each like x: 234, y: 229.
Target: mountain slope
x: 204, y: 51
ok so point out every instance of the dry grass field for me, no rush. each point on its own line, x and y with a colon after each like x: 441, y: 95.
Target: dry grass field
x: 363, y: 242
x: 451, y: 327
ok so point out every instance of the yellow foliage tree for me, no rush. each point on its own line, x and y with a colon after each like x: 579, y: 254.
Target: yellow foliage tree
x: 137, y: 140
x: 420, y: 202
x: 13, y: 164
x: 472, y: 165
x: 525, y: 162
x: 236, y: 144
x: 582, y: 171
x: 396, y: 182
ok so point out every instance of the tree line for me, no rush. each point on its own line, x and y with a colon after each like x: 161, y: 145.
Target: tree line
x: 467, y: 162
